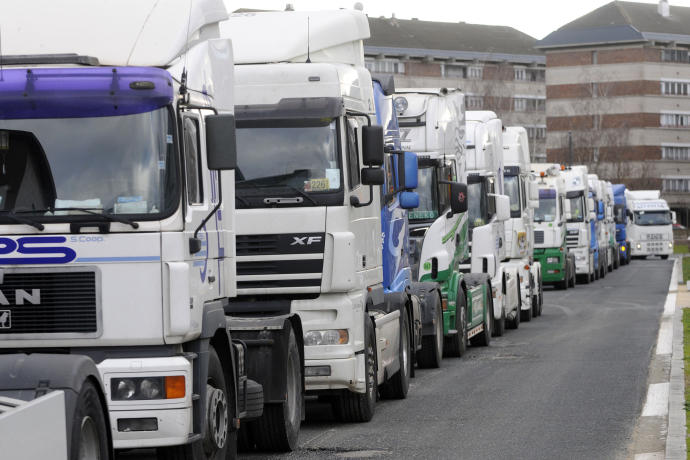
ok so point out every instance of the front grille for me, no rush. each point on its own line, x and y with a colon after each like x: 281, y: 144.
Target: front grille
x: 280, y: 244
x: 49, y: 303
x: 280, y: 267
x: 539, y: 237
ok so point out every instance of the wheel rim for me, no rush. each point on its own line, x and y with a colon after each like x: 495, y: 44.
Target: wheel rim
x: 89, y: 443
x: 217, y: 414
x: 293, y: 384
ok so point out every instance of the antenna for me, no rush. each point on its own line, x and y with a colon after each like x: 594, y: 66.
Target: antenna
x: 308, y: 38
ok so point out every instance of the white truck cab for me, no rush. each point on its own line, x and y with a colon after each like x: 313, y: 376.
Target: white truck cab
x: 598, y: 189
x: 650, y: 228
x: 580, y: 226
x: 520, y: 185
x: 489, y: 209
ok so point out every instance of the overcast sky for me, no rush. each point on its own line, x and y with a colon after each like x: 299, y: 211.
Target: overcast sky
x: 534, y: 17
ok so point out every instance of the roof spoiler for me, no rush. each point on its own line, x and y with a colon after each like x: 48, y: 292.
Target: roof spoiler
x: 37, y: 59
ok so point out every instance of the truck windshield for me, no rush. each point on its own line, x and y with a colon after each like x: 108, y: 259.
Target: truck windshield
x: 547, y: 206
x: 653, y: 218
x: 117, y: 165
x: 477, y: 204
x: 428, y: 199
x: 511, y: 185
x: 283, y: 159
x: 577, y: 209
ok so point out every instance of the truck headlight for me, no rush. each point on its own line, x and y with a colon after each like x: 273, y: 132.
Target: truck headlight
x: 670, y: 245
x: 580, y: 258
x: 639, y: 246
x: 553, y: 260
x: 147, y: 388
x: 327, y: 337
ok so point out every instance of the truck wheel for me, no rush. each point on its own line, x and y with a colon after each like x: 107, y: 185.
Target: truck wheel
x: 456, y: 344
x: 220, y: 442
x: 541, y: 295
x: 398, y: 385
x: 664, y: 257
x: 277, y: 429
x: 498, y: 326
x: 573, y: 276
x: 483, y: 339
x: 359, y: 407
x: 515, y: 322
x: 89, y: 430
x: 526, y: 315
x: 432, y: 345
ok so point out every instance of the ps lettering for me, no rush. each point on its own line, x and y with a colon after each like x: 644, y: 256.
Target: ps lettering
x: 39, y: 249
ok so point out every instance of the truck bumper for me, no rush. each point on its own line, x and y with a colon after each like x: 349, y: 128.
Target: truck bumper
x: 345, y: 373
x: 651, y: 248
x: 582, y: 258
x: 169, y: 420
x: 551, y: 272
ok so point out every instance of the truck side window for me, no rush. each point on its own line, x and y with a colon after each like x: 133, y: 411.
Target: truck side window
x: 353, y: 155
x: 192, y: 160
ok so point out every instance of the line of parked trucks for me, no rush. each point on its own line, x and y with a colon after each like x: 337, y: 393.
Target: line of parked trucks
x: 206, y: 220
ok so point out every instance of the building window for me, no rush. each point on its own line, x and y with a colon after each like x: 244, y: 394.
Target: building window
x: 536, y: 132
x: 674, y: 55
x: 526, y: 74
x: 454, y: 71
x: 520, y: 73
x: 474, y: 102
x: 675, y: 120
x: 674, y: 152
x: 674, y: 88
x: 529, y: 104
x: 384, y: 65
x: 676, y: 184
x: 475, y: 73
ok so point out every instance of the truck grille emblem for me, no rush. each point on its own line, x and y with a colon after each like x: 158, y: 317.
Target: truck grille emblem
x: 305, y: 241
x: 5, y: 319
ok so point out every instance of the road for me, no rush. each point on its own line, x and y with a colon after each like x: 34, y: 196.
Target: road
x: 569, y: 384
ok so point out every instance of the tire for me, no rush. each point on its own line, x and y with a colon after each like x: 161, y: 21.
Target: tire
x: 221, y: 441
x: 515, y: 322
x: 483, y: 339
x: 431, y: 354
x: 499, y: 325
x: 604, y: 267
x: 526, y: 315
x: 277, y: 430
x: 573, y: 279
x: 541, y: 295
x: 456, y: 345
x: 398, y: 385
x: 359, y: 407
x: 664, y: 257
x: 89, y: 429
x: 563, y: 285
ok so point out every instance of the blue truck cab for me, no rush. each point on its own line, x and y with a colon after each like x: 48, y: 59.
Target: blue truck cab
x: 620, y: 212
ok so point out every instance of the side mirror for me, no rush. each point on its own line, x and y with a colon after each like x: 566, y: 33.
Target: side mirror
x: 673, y: 217
x: 502, y: 207
x: 592, y: 215
x: 568, y: 210
x: 372, y: 146
x: 629, y: 213
x: 534, y: 192
x: 410, y: 170
x: 409, y: 200
x: 534, y: 204
x: 484, y: 264
x: 458, y: 197
x: 221, y: 147
x: 600, y: 209
x: 568, y: 216
x: 590, y: 204
x: 373, y: 176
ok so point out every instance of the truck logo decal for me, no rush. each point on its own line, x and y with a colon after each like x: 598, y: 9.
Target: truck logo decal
x: 40, y: 247
x: 20, y: 295
x: 304, y: 240
x: 5, y: 319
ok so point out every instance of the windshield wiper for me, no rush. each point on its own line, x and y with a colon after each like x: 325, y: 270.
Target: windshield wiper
x: 23, y: 220
x: 103, y: 215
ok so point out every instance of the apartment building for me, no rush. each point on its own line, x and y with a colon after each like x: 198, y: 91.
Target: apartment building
x: 497, y: 67
x: 618, y: 89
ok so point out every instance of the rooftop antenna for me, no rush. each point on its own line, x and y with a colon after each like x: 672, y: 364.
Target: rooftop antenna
x: 308, y: 38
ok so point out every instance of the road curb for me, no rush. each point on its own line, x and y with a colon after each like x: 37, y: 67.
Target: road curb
x: 676, y: 448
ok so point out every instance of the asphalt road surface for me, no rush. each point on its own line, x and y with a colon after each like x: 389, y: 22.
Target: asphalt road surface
x: 569, y: 384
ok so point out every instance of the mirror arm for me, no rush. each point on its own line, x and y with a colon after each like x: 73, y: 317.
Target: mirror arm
x: 357, y: 113
x: 195, y: 242
x: 354, y: 201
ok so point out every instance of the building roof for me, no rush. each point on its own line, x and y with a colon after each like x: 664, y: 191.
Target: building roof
x: 392, y: 36
x: 621, y: 22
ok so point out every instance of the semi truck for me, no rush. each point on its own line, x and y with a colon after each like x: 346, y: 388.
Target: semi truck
x: 620, y: 214
x: 650, y: 225
x: 309, y: 197
x: 550, y: 245
x: 432, y: 124
x: 614, y: 262
x: 117, y: 223
x: 489, y: 209
x: 581, y: 236
x: 599, y: 197
x: 522, y: 189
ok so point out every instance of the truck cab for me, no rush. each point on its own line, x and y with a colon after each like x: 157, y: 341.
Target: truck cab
x: 581, y: 233
x: 522, y: 189
x: 598, y: 191
x: 650, y: 225
x: 432, y: 121
x: 117, y: 215
x: 614, y: 263
x: 620, y: 215
x: 311, y: 184
x: 489, y: 209
x: 551, y: 250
